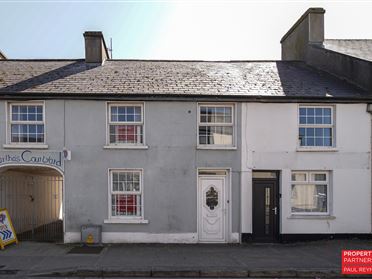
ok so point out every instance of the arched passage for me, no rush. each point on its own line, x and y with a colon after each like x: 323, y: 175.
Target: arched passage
x: 33, y: 196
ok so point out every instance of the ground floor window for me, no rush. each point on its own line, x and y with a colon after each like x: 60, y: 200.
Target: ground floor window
x: 126, y: 193
x: 310, y: 192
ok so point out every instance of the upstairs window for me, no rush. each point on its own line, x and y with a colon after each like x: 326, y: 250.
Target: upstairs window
x: 27, y: 123
x: 316, y: 126
x: 216, y: 125
x: 125, y: 124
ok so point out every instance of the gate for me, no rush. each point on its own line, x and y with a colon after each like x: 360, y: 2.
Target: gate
x: 34, y: 203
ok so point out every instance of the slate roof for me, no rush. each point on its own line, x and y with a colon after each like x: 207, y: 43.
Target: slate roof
x: 158, y: 78
x: 357, y: 48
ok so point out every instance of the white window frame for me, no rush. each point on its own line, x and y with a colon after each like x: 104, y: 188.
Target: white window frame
x: 109, y: 122
x: 233, y: 125
x: 309, y: 181
x: 124, y: 219
x: 332, y: 126
x: 9, y: 109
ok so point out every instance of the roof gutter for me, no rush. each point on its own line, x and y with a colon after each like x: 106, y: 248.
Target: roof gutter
x: 183, y: 98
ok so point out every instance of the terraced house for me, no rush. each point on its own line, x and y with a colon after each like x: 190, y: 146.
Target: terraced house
x: 191, y: 151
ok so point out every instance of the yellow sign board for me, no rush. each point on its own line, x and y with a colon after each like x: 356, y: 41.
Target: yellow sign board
x: 7, y: 232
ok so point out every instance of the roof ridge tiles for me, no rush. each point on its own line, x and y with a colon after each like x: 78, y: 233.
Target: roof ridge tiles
x: 40, y: 60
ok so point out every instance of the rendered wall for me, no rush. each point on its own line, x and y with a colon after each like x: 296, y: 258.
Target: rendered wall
x: 269, y: 142
x: 269, y: 137
x: 169, y: 167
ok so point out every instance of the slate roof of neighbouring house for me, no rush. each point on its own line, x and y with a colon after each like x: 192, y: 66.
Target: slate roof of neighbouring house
x: 158, y: 78
x: 357, y: 48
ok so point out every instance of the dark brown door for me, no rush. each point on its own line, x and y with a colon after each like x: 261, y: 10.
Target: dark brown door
x: 265, y: 210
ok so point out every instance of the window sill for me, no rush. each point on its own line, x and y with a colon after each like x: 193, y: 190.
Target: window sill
x: 314, y: 149
x: 25, y: 146
x: 312, y: 217
x: 125, y: 147
x: 125, y: 221
x: 202, y: 147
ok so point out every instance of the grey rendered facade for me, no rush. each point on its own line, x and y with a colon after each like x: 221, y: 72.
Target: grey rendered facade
x: 76, y: 96
x: 169, y: 164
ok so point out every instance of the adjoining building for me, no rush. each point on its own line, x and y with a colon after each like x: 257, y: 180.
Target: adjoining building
x: 186, y: 151
x: 307, y: 155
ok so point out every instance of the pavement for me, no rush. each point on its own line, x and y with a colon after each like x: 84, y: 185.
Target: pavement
x: 320, y: 259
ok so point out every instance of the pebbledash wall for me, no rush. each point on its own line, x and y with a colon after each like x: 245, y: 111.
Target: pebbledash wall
x: 270, y: 142
x: 170, y: 169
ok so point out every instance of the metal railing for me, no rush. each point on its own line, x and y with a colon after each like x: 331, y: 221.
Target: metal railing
x: 34, y: 203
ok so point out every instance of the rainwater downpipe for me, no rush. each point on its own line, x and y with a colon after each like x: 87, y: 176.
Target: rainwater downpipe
x: 369, y: 109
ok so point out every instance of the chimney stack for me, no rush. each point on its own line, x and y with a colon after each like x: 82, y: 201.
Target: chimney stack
x: 308, y: 30
x: 95, y: 47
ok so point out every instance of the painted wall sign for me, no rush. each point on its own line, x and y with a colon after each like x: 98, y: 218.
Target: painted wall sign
x: 7, y: 232
x: 32, y: 157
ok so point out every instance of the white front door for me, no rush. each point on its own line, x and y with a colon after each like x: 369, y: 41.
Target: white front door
x: 212, y: 209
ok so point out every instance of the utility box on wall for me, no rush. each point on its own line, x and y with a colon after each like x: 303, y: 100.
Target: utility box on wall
x: 91, y: 234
